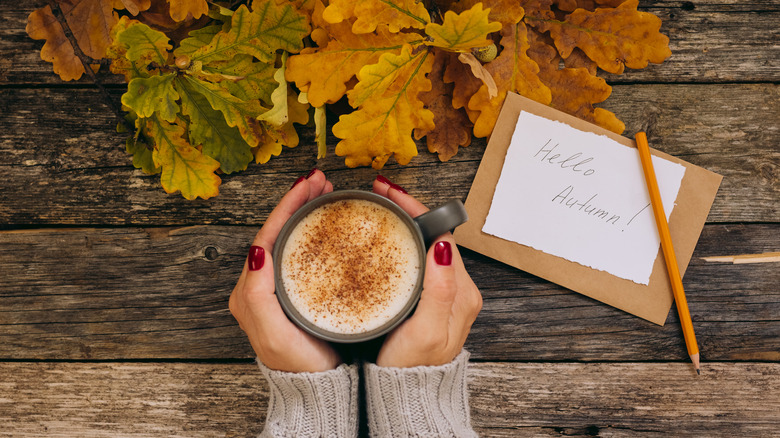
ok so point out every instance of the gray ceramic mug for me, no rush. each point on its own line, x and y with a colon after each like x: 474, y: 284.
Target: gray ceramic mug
x: 424, y: 228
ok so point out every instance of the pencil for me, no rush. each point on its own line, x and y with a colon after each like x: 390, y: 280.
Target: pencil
x: 668, y: 250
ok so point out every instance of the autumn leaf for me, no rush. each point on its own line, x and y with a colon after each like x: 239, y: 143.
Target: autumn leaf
x: 285, y: 135
x: 260, y: 33
x: 42, y: 25
x: 389, y: 110
x: 612, y: 37
x: 207, y: 127
x: 255, y: 79
x: 181, y: 10
x: 143, y: 44
x: 278, y: 114
x: 506, y: 12
x: 464, y: 31
x: 452, y: 126
x: 480, y: 73
x: 155, y: 94
x: 513, y: 71
x: 396, y: 14
x: 135, y: 6
x: 562, y: 82
x: 183, y: 168
x: 326, y: 71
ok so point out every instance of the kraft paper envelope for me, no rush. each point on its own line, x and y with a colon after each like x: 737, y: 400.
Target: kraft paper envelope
x: 651, y: 302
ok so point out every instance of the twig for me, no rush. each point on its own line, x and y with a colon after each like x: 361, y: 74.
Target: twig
x: 86, y: 61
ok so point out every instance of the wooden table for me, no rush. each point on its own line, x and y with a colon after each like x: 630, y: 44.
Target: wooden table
x: 113, y: 295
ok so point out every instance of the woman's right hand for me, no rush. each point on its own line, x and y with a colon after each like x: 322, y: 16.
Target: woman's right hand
x: 449, y: 304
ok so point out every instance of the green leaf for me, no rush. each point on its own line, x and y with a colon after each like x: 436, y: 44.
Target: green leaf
x: 144, y: 43
x: 278, y: 115
x: 146, y: 96
x: 184, y: 168
x: 142, y: 156
x: 255, y: 79
x: 208, y: 127
x: 197, y: 39
x: 260, y: 33
x: 238, y: 113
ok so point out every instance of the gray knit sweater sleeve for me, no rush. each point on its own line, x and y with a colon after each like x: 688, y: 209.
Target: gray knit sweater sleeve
x: 422, y: 401
x: 321, y: 404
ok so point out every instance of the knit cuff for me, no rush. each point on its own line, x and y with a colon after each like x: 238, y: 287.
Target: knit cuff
x: 420, y: 401
x: 323, y: 404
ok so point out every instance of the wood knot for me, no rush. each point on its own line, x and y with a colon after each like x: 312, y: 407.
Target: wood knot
x: 211, y: 253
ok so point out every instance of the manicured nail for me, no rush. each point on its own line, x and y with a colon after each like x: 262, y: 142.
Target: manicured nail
x: 256, y: 258
x: 399, y: 188
x: 384, y: 180
x: 301, y: 178
x: 442, y: 253
x: 311, y: 172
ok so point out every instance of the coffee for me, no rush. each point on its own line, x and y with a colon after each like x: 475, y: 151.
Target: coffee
x: 350, y: 266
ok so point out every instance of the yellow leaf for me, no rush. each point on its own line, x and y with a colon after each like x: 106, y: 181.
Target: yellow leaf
x: 154, y: 94
x: 613, y: 37
x: 504, y: 11
x: 462, y: 32
x: 383, y: 125
x: 320, y: 131
x: 396, y: 14
x: 512, y: 70
x: 275, y: 137
x: 327, y: 70
x: 480, y: 72
x: 181, y: 10
x: 184, y: 168
x: 277, y: 115
x: 144, y: 44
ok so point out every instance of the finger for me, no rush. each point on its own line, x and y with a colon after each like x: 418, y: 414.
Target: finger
x: 328, y: 187
x: 439, y: 287
x: 385, y: 187
x: 317, y: 182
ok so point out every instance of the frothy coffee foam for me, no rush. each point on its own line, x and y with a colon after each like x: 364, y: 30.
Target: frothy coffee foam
x: 350, y: 266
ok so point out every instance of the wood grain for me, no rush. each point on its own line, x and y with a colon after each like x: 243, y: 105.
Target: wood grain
x: 144, y: 293
x: 507, y: 399
x: 58, y: 148
x: 711, y: 41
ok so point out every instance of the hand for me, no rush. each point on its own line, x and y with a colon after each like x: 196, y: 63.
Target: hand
x: 278, y: 343
x: 449, y: 304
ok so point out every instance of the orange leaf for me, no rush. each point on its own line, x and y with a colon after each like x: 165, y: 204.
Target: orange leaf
x: 41, y: 25
x: 613, y: 37
x: 390, y: 110
x: 503, y: 11
x: 396, y: 14
x: 135, y: 6
x: 453, y: 127
x: 574, y: 90
x: 181, y: 10
x: 512, y: 70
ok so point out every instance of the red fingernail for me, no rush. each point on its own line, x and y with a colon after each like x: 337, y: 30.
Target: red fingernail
x: 384, y: 180
x: 442, y: 253
x: 399, y: 188
x: 311, y: 172
x: 298, y: 181
x: 256, y: 258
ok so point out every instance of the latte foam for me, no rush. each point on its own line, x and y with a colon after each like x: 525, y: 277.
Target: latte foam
x: 350, y: 266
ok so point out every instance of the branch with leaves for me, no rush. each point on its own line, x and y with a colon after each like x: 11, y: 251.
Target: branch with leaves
x: 215, y: 86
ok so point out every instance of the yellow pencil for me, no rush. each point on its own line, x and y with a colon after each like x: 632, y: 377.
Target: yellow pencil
x: 668, y: 250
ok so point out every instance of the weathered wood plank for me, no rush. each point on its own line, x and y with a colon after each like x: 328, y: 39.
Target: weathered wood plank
x: 134, y: 293
x: 711, y: 41
x: 507, y: 399
x: 58, y: 148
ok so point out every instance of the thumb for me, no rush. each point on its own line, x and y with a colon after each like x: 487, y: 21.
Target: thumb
x: 439, y: 287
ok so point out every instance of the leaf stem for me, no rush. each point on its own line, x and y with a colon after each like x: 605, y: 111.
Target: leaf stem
x: 86, y: 61
x: 405, y: 12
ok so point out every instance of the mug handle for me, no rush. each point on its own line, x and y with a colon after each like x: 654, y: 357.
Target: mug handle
x: 441, y: 219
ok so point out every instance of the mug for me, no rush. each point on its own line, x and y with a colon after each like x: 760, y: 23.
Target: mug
x: 423, y: 229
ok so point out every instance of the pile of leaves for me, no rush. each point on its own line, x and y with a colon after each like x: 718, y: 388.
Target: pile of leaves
x: 214, y: 86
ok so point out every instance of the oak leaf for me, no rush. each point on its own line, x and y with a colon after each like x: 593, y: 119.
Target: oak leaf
x: 285, y: 135
x: 136, y: 6
x: 278, y: 115
x: 395, y: 14
x: 207, y: 127
x: 614, y: 38
x: 155, y: 94
x: 452, y: 126
x: 464, y: 31
x: 260, y: 33
x: 183, y: 167
x: 42, y: 25
x: 513, y: 71
x: 144, y: 44
x: 389, y: 110
x: 181, y: 10
x: 504, y: 11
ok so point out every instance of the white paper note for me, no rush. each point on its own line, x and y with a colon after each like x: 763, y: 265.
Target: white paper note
x: 580, y: 196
